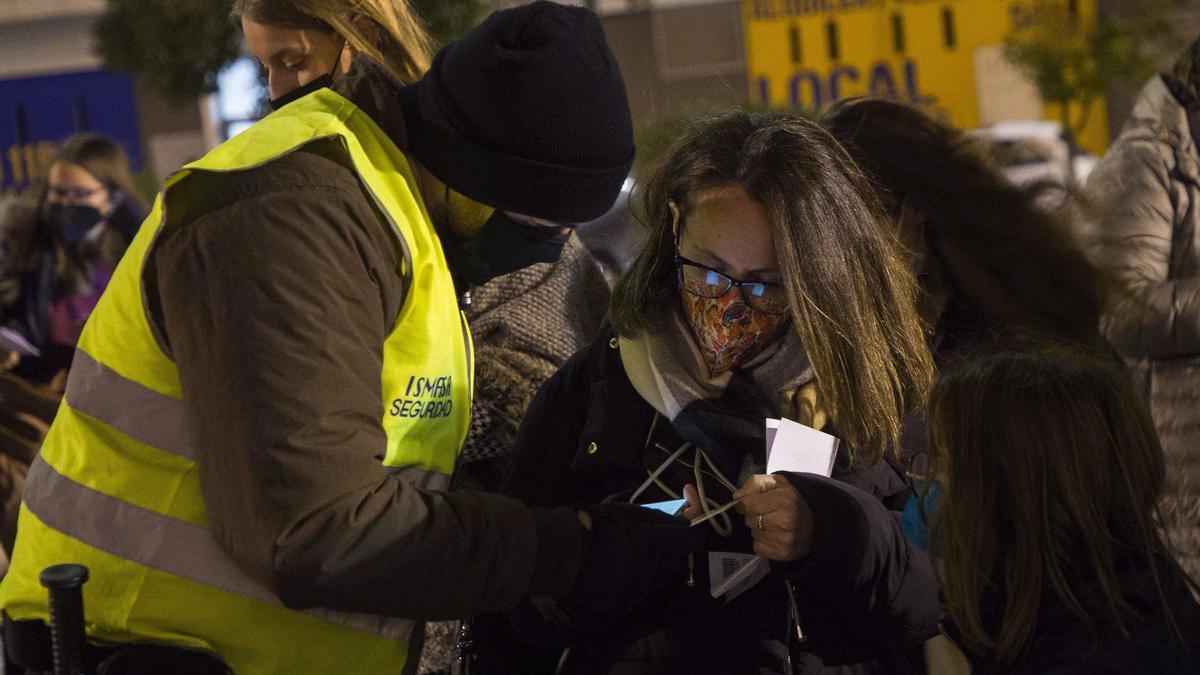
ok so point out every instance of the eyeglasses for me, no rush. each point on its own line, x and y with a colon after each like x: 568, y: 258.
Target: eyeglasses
x: 72, y: 194
x: 705, y: 282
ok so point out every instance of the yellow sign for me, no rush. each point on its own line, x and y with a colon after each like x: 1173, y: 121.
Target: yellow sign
x: 943, y: 54
x: 28, y: 163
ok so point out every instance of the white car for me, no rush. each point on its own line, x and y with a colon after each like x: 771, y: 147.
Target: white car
x: 615, y: 238
x: 1034, y: 152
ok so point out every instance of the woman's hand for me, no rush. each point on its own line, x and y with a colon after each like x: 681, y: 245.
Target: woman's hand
x: 692, y: 510
x: 778, y: 517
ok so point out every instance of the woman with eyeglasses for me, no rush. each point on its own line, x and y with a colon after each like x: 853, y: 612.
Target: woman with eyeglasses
x: 57, y: 252
x: 1053, y: 562
x: 59, y: 255
x: 769, y: 287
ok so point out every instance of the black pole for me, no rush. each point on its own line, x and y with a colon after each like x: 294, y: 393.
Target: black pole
x: 20, y: 169
x: 65, y: 583
x: 81, y: 120
x: 20, y: 125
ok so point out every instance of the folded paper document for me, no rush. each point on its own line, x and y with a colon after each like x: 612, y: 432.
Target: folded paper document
x: 794, y: 447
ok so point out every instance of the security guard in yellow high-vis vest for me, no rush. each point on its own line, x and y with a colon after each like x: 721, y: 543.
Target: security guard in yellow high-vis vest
x: 267, y: 403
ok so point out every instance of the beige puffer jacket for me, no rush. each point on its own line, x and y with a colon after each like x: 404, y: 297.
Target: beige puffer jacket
x: 1147, y: 234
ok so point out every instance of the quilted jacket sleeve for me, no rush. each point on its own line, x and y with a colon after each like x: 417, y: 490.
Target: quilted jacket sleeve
x: 1155, y: 314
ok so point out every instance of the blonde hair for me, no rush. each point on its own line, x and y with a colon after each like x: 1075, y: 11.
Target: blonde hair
x: 388, y: 31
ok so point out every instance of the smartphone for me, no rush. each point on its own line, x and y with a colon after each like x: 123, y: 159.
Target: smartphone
x: 671, y: 508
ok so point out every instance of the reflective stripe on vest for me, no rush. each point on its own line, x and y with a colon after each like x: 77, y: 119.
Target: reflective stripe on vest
x: 189, y: 552
x: 154, y: 419
x: 135, y: 410
x: 117, y: 487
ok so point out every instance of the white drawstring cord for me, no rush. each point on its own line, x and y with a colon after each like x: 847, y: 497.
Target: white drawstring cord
x: 658, y: 472
x: 712, y: 510
x: 722, y: 523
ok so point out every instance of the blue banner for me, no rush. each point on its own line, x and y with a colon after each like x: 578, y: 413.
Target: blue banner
x: 37, y: 113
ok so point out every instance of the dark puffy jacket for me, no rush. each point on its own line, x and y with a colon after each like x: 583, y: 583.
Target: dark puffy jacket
x: 866, y: 597
x: 1162, y: 638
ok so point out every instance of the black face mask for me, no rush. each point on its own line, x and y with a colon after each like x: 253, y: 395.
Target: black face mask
x: 502, y: 246
x: 301, y: 91
x: 70, y: 224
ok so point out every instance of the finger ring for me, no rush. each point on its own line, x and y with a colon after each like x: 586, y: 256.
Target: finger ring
x: 760, y: 522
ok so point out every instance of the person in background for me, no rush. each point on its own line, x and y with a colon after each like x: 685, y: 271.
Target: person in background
x: 1048, y: 472
x: 753, y: 298
x: 1145, y: 231
x: 304, y: 44
x: 291, y: 339
x: 988, y: 259
x: 524, y: 325
x: 58, y: 255
x: 26, y: 412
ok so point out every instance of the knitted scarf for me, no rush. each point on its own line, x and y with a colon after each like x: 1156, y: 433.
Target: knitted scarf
x: 725, y: 413
x: 525, y: 326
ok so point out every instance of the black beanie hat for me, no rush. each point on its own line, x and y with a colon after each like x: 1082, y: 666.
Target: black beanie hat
x: 527, y: 113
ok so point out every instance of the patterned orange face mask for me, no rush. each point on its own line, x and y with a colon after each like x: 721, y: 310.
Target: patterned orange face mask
x: 728, y: 331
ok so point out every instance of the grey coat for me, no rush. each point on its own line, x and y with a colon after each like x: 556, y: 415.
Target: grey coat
x: 1147, y: 235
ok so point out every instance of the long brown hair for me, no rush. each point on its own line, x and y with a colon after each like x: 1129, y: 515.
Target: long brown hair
x: 388, y: 31
x: 850, y: 291
x: 106, y: 161
x: 102, y: 157
x: 1050, y: 473
x: 1017, y: 263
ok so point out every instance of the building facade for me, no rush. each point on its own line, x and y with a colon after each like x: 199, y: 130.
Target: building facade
x: 678, y: 57
x: 53, y: 84
x: 946, y: 55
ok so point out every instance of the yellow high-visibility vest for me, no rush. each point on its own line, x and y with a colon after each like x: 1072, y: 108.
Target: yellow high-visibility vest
x: 116, y: 487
